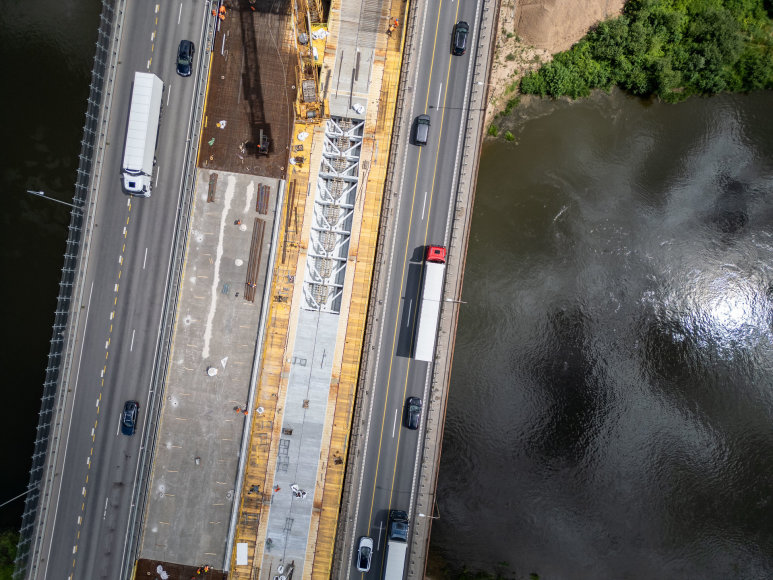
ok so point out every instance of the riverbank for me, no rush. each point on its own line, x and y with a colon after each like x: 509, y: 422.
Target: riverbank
x: 530, y: 33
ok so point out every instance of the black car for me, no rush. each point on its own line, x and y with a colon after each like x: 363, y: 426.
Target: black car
x: 459, y: 42
x: 412, y: 412
x: 129, y: 417
x: 185, y: 58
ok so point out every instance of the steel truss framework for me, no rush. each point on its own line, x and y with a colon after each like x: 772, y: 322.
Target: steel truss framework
x: 333, y: 208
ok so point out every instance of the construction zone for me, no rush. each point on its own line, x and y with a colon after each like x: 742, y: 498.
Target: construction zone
x: 272, y: 310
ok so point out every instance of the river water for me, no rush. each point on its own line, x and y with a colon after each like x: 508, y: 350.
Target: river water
x: 611, y: 403
x: 612, y: 392
x: 48, y: 48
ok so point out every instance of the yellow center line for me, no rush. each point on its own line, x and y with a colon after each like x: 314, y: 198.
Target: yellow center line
x: 402, y: 278
x: 426, y: 231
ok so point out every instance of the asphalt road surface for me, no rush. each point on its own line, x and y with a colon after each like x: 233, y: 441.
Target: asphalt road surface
x: 428, y: 176
x: 126, y: 284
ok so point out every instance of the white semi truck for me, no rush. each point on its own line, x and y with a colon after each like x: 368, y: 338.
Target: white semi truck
x: 397, y: 545
x: 140, y: 151
x: 431, y: 297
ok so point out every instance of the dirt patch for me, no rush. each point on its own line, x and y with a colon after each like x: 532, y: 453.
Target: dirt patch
x: 530, y: 32
x: 251, y: 89
x: 153, y: 569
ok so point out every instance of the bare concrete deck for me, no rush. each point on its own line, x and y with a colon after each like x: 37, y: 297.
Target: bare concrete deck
x: 192, y: 486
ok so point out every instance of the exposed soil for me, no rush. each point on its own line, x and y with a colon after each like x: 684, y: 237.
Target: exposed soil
x: 530, y: 32
x: 251, y: 89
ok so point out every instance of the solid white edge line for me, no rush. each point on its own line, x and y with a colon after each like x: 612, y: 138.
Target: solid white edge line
x: 166, y: 284
x: 451, y: 208
x: 386, y: 296
x: 69, y: 427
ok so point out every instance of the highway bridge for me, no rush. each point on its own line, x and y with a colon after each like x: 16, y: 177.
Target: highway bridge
x: 95, y: 508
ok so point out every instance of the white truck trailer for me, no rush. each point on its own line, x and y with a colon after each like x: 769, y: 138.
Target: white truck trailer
x: 431, y: 297
x: 141, y: 134
x: 397, y: 545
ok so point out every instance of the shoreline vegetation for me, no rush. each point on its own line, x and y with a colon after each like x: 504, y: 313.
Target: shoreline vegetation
x: 667, y: 49
x: 670, y: 49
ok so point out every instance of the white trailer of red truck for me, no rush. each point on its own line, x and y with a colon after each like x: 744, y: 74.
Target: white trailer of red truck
x: 141, y: 134
x: 431, y: 297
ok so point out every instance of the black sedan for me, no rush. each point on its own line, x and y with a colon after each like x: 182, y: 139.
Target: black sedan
x: 459, y: 40
x: 185, y: 58
x: 412, y: 412
x: 129, y: 417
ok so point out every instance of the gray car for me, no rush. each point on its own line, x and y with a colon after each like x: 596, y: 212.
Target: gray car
x: 421, y: 131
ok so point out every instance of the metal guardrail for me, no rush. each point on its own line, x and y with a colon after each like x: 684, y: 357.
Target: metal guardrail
x: 139, y: 497
x: 71, y: 286
x: 463, y: 197
x: 67, y: 315
x: 378, y: 288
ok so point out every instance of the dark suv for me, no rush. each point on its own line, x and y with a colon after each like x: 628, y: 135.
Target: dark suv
x: 185, y: 58
x: 129, y: 417
x: 412, y: 412
x: 459, y: 42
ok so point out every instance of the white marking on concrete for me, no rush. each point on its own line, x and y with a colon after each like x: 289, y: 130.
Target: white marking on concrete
x: 158, y: 172
x: 229, y: 194
x: 408, y: 318
x: 439, y: 91
x: 104, y: 513
x: 168, y: 94
x: 394, y: 425
x: 424, y: 207
x: 131, y: 346
x: 180, y: 13
x: 145, y: 259
x: 250, y: 193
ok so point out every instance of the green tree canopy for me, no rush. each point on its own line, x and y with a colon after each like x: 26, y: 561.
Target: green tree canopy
x: 667, y: 48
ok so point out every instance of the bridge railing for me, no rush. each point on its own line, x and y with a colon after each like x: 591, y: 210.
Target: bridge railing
x: 52, y: 413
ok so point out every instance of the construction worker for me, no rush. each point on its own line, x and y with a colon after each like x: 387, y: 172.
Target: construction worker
x: 393, y: 26
x: 222, y: 12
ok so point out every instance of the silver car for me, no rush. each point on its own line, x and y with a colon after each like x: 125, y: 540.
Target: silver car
x: 364, y: 554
